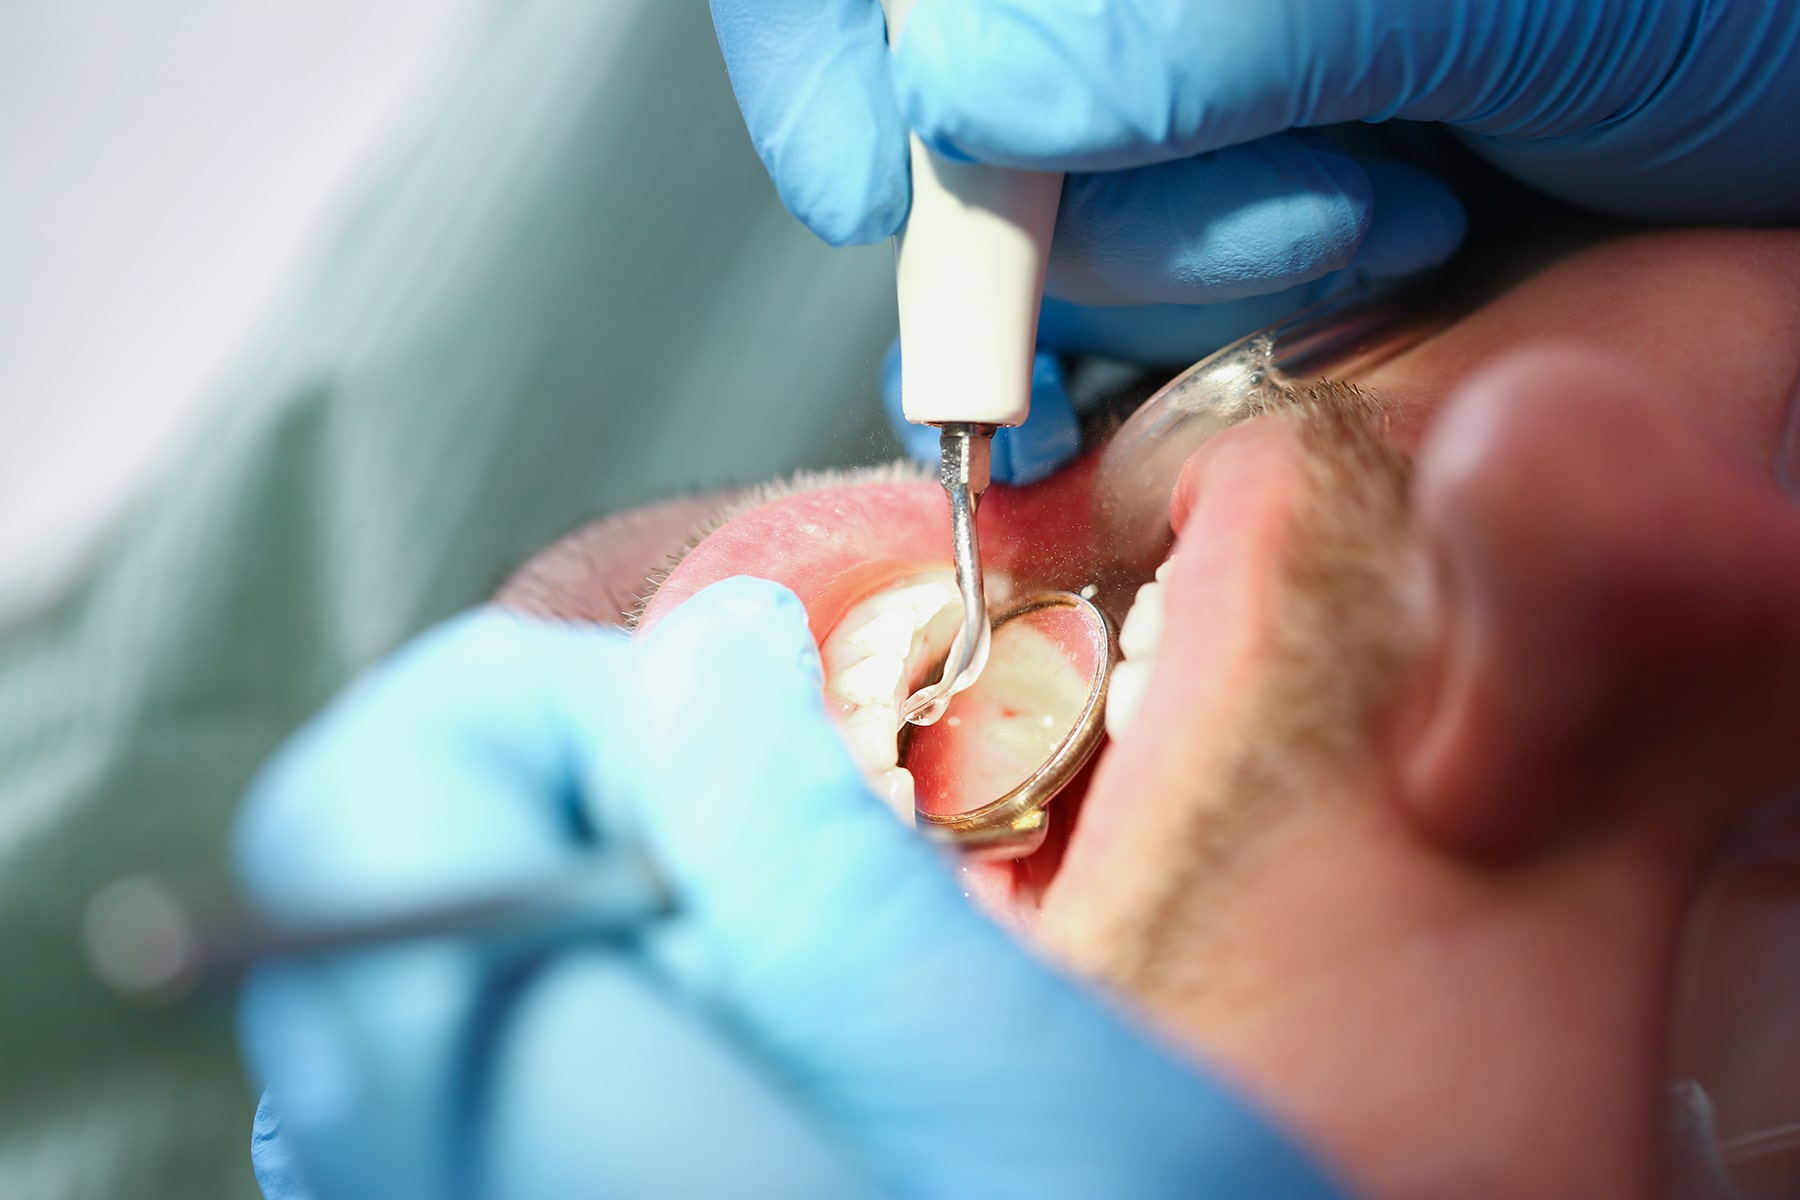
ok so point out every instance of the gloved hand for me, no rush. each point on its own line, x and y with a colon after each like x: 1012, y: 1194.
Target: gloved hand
x: 1166, y: 334
x: 1178, y: 120
x: 825, y: 1017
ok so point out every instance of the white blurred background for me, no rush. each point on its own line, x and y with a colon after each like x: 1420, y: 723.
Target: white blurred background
x: 169, y: 169
x: 128, y: 285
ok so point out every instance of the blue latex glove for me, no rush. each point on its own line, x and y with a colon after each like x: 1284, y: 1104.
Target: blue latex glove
x: 1177, y: 120
x: 1662, y: 109
x: 787, y: 1035
x: 1169, y: 334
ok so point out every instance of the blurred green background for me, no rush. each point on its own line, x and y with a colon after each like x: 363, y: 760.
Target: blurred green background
x: 568, y: 288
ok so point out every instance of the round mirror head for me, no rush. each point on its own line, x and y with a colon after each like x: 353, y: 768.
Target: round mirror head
x: 1006, y: 746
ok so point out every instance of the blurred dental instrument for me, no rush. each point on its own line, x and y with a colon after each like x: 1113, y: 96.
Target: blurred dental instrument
x: 970, y: 268
x: 154, y: 946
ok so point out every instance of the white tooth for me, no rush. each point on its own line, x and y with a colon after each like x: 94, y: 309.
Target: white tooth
x: 872, y: 680
x: 1124, y: 695
x: 895, y: 787
x: 870, y: 733
x: 886, y: 623
x: 924, y: 599
x: 1142, y: 631
x: 871, y: 657
x: 920, y: 600
x: 1140, y: 637
x: 890, y: 631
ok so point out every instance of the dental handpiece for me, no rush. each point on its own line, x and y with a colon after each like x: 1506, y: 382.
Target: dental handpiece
x: 970, y: 273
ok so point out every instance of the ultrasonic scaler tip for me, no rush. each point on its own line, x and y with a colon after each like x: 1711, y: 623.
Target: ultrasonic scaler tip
x: 963, y: 470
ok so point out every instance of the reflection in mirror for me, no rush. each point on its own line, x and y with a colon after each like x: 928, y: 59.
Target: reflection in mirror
x: 1012, y: 741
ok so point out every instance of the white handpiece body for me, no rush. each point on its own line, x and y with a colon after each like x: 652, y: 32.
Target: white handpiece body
x: 970, y: 268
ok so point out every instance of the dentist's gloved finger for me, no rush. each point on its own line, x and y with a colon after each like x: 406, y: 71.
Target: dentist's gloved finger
x: 1172, y: 335
x: 1245, y: 221
x: 278, y: 1173
x: 837, y: 938
x: 812, y: 78
x: 1071, y: 85
x: 605, y: 1084
x: 1634, y: 109
x: 1415, y: 222
x: 1414, y: 225
x: 366, y: 1062
x: 446, y: 774
x: 1050, y: 436
x: 577, y: 1076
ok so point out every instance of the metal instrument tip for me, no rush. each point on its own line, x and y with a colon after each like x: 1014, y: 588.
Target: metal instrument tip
x: 964, y: 472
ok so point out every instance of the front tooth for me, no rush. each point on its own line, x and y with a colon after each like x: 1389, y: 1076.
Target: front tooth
x: 868, y: 662
x: 1125, y: 695
x: 874, y: 680
x: 890, y: 631
x: 895, y: 787
x: 1140, y: 637
x: 1162, y: 572
x: 870, y: 658
x: 1142, y: 631
x: 888, y: 623
x: 869, y: 731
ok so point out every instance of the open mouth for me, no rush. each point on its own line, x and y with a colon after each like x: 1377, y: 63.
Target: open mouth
x: 871, y: 562
x: 870, y: 558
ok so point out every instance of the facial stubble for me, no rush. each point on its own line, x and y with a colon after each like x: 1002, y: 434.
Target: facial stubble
x: 1336, y: 638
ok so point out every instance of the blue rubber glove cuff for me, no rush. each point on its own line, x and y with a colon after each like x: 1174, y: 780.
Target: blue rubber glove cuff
x: 1050, y: 437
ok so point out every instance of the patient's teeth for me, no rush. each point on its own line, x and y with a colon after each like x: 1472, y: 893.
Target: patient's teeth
x: 871, y: 680
x: 871, y: 660
x: 891, y: 630
x: 1140, y: 637
x: 895, y: 787
x: 870, y: 733
x: 1142, y: 632
x: 1130, y: 680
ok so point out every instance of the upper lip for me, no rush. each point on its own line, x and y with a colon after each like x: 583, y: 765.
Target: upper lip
x: 837, y: 544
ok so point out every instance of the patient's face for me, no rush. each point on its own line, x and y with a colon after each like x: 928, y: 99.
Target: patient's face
x: 1466, y: 669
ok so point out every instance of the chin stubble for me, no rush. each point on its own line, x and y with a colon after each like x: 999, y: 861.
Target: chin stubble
x: 1338, y: 639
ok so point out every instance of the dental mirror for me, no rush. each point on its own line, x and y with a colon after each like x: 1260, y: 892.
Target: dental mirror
x: 1342, y: 336
x: 983, y: 775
